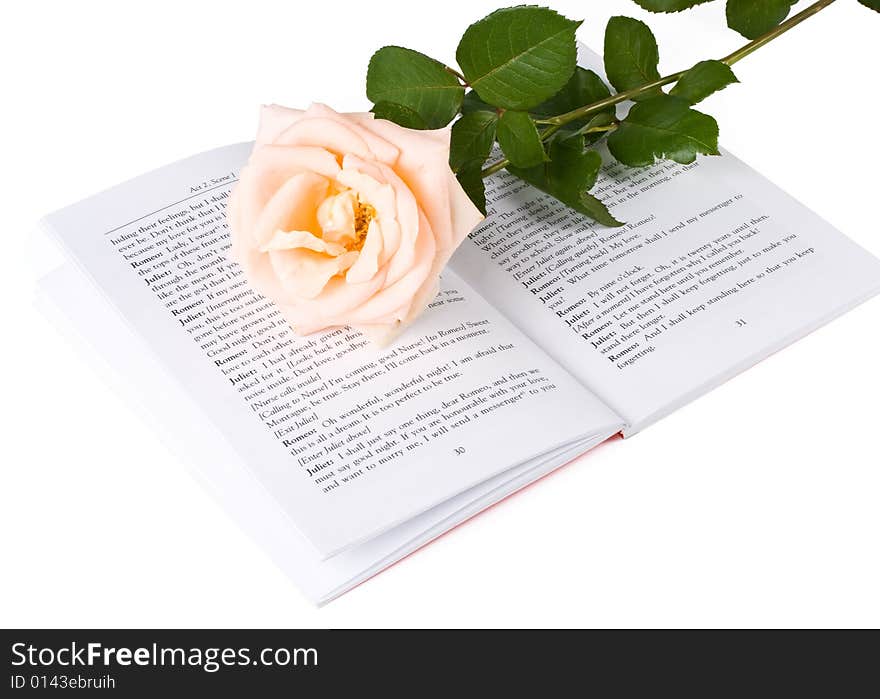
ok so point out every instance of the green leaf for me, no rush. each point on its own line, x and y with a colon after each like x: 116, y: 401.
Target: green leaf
x: 568, y: 176
x: 873, y: 4
x: 669, y: 5
x: 411, y: 79
x: 470, y: 178
x: 663, y: 127
x: 473, y: 103
x: 404, y: 116
x: 517, y: 57
x: 584, y: 87
x: 472, y: 138
x: 631, y: 55
x: 702, y: 80
x: 520, y: 140
x: 596, y: 210
x: 751, y: 18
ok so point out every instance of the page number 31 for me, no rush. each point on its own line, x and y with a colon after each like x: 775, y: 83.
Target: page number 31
x: 740, y: 323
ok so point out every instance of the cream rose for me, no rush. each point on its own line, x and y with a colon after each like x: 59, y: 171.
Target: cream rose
x: 343, y: 219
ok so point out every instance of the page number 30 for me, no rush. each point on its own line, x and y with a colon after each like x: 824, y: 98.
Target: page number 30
x: 459, y: 451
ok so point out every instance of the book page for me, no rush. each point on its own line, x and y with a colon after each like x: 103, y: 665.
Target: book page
x: 108, y: 346
x: 350, y: 440
x: 715, y: 268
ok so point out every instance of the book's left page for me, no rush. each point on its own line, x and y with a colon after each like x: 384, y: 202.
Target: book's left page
x: 350, y: 441
x: 117, y: 355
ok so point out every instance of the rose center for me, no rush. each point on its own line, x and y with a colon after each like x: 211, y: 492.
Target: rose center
x: 363, y: 214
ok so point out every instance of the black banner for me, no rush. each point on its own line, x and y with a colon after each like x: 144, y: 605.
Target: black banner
x: 129, y: 663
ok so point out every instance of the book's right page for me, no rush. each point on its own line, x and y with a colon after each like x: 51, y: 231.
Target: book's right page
x: 715, y: 269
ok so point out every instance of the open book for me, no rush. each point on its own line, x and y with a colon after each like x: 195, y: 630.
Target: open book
x: 549, y: 335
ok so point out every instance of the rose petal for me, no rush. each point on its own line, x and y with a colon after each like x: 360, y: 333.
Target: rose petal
x: 393, y: 302
x: 305, y: 273
x: 370, y: 188
x: 336, y: 217
x: 273, y: 120
x: 258, y: 270
x: 399, y: 236
x: 279, y: 119
x: 380, y: 335
x: 293, y: 207
x: 382, y: 148
x: 465, y: 215
x: 396, y: 210
x: 333, y: 306
x: 324, y: 133
x: 269, y: 168
x: 368, y: 259
x: 291, y: 240
x: 423, y: 156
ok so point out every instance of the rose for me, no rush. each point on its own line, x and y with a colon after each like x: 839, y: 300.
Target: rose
x: 343, y: 219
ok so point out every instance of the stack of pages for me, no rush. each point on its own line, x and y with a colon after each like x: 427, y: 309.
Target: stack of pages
x: 550, y: 335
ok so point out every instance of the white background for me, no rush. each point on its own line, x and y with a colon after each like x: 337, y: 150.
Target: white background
x: 756, y: 505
